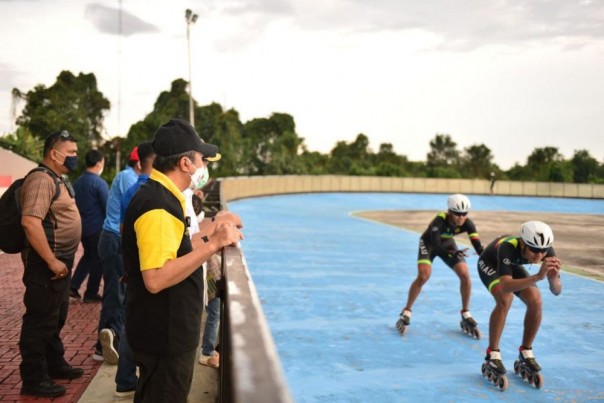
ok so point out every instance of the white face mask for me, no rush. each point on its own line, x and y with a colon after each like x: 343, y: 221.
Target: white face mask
x: 199, y: 178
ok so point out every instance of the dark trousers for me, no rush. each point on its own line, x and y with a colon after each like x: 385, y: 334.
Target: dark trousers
x: 112, y: 307
x: 46, y: 304
x: 89, y: 265
x: 164, y: 378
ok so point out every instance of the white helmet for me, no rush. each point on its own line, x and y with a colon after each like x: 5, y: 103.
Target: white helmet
x: 458, y: 203
x: 537, y: 234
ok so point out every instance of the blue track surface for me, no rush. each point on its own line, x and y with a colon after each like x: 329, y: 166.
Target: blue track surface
x: 332, y: 286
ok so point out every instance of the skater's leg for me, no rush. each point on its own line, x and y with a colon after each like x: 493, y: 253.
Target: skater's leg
x: 465, y: 284
x: 532, y: 318
x: 503, y: 302
x: 423, y: 274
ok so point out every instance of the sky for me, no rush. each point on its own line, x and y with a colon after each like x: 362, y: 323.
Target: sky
x: 513, y: 75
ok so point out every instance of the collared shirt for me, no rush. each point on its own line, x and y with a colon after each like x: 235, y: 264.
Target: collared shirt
x: 63, y: 228
x: 121, y: 183
x: 127, y: 197
x: 154, y: 232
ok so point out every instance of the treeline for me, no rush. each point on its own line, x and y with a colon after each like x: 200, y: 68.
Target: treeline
x: 264, y: 146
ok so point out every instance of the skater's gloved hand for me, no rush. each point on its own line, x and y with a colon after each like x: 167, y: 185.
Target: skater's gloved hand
x: 458, y: 253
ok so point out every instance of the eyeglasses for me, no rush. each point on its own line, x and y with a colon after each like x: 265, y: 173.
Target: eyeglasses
x: 537, y: 250
x: 459, y: 214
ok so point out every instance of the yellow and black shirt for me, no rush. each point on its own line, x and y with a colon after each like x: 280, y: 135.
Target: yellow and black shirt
x: 155, y: 232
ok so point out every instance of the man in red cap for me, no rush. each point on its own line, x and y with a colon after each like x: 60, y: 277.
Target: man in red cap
x: 111, y: 320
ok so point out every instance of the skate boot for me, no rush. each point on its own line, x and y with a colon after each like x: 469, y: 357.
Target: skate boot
x: 493, y: 369
x: 469, y: 326
x: 527, y: 367
x: 402, y: 324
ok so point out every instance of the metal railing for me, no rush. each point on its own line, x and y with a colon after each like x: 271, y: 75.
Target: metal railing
x: 250, y: 369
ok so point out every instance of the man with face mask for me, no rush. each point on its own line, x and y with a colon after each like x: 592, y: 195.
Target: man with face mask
x: 52, y: 229
x: 163, y: 265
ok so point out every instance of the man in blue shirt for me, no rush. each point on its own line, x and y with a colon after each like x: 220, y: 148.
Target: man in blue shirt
x: 111, y: 320
x: 125, y: 376
x: 91, y: 194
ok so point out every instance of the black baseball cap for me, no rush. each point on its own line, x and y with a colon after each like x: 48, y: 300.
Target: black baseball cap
x: 178, y: 136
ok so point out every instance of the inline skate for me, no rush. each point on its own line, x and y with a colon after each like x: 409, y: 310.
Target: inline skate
x: 493, y: 369
x: 469, y: 326
x: 527, y: 367
x: 402, y: 324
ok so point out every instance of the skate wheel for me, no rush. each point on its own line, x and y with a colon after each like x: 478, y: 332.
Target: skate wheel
x: 516, y: 367
x: 483, y: 369
x: 477, y: 334
x: 538, y: 380
x: 502, y: 382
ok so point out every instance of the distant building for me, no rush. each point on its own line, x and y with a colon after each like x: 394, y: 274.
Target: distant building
x: 12, y: 167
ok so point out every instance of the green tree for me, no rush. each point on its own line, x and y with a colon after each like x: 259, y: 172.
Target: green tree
x: 443, y: 158
x: 313, y: 162
x: 544, y: 164
x: 24, y: 143
x: 351, y: 159
x: 477, y: 161
x: 72, y: 103
x: 585, y: 167
x: 271, y: 146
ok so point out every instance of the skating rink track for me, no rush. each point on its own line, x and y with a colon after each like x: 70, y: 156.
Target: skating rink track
x: 332, y: 286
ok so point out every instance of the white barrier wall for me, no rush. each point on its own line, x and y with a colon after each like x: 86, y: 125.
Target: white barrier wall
x: 251, y: 186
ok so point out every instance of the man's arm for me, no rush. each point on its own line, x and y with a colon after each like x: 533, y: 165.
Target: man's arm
x: 37, y: 239
x: 508, y: 284
x: 176, y: 270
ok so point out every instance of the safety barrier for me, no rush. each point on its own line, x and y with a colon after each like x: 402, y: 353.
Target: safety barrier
x: 253, y: 186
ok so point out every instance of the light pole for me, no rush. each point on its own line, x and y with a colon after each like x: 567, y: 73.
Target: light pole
x: 190, y: 17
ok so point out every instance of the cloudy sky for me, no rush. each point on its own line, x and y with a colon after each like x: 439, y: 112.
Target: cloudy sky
x: 511, y: 74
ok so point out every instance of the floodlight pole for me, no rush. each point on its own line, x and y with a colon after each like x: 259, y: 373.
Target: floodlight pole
x: 190, y: 17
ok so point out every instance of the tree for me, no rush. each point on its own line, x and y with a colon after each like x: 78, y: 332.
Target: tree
x: 271, y: 146
x: 72, y: 103
x: 477, y: 161
x: 443, y: 154
x: 544, y: 165
x: 351, y: 159
x: 24, y: 143
x: 585, y: 167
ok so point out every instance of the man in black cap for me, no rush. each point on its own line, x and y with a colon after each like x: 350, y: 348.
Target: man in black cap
x: 163, y: 265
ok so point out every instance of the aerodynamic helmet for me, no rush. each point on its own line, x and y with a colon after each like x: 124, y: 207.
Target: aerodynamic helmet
x: 458, y: 203
x: 537, y: 234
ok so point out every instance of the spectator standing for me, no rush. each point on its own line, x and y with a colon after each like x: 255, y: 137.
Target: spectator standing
x: 165, y: 280
x: 125, y: 376
x: 91, y: 193
x: 53, y: 230
x: 112, y: 308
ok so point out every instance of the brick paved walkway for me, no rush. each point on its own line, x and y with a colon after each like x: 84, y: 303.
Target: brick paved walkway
x: 79, y: 336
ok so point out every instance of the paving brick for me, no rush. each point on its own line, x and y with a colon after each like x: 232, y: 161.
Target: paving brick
x: 79, y: 335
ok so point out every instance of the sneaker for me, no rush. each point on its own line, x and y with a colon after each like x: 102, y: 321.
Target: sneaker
x: 210, y: 360
x: 65, y: 372
x: 110, y: 354
x: 527, y: 357
x: 43, y: 389
x: 92, y: 299
x: 124, y: 393
x: 97, y: 356
x: 74, y: 294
